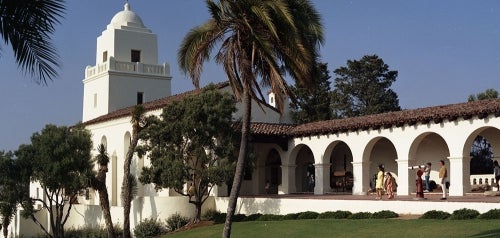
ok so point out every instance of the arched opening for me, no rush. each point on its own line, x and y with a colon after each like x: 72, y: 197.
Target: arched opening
x: 273, y: 172
x: 428, y: 148
x: 304, y: 171
x: 341, y: 174
x: 380, y: 151
x: 482, y: 153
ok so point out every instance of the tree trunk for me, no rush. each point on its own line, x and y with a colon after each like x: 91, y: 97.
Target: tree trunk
x: 127, y: 189
x: 100, y: 185
x: 240, y: 164
x: 104, y: 201
x: 5, y: 227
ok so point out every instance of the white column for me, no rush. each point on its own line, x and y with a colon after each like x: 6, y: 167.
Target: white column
x: 404, y: 177
x: 458, y: 175
x: 361, y: 173
x: 287, y: 179
x: 322, y: 179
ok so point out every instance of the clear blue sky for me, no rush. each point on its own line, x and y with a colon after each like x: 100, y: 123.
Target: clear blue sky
x: 443, y: 50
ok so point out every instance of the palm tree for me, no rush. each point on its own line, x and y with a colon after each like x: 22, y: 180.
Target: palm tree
x: 129, y: 182
x: 27, y: 25
x: 99, y: 184
x: 259, y: 39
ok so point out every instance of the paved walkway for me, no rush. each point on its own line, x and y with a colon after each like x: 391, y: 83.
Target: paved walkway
x: 428, y: 197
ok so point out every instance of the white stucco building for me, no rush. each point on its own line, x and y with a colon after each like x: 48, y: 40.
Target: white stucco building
x: 127, y: 72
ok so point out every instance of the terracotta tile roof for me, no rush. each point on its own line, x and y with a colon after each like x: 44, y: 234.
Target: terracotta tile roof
x: 435, y: 114
x: 149, y: 106
x: 159, y: 104
x: 275, y: 129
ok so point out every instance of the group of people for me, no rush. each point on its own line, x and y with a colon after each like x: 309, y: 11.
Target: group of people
x: 386, y: 182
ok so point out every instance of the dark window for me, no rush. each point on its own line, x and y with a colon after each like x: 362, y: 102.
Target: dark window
x: 104, y: 56
x: 136, y: 56
x: 140, y: 97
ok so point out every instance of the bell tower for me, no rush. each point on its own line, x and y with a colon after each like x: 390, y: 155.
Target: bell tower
x: 126, y: 71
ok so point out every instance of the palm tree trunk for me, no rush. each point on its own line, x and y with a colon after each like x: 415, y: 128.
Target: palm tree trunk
x: 127, y: 187
x: 100, y: 186
x: 240, y: 164
x: 5, y: 227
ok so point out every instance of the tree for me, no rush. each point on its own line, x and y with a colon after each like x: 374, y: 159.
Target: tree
x: 313, y: 104
x: 481, y: 153
x: 362, y: 88
x: 14, y: 188
x: 99, y: 183
x: 27, y: 26
x: 192, y: 143
x: 59, y: 159
x: 481, y: 150
x: 488, y: 94
x: 129, y: 182
x: 263, y: 40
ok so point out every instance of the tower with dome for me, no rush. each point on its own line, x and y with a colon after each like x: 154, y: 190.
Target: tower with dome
x: 126, y: 71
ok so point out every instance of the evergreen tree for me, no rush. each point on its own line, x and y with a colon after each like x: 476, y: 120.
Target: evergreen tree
x: 313, y: 104
x: 481, y: 150
x: 363, y: 88
x: 14, y: 188
x: 59, y: 159
x: 488, y: 94
x: 191, y: 143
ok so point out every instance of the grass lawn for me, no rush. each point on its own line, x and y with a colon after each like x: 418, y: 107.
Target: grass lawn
x: 318, y: 228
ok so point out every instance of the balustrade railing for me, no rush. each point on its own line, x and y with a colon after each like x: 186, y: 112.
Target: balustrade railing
x: 482, y: 179
x: 129, y: 67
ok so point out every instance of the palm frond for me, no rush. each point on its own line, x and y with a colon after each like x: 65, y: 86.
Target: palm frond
x: 27, y: 26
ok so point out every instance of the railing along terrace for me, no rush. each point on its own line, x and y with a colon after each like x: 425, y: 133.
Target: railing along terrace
x: 129, y: 67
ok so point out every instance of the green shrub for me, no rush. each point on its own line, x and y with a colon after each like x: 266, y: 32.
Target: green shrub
x: 433, y: 214
x: 253, y: 217
x: 334, y: 215
x: 307, y: 215
x: 291, y: 216
x: 464, y: 214
x: 209, y: 214
x: 384, y: 214
x: 239, y: 217
x: 270, y: 217
x: 149, y: 227
x: 220, y: 218
x: 176, y: 221
x: 91, y: 232
x: 360, y: 215
x: 491, y: 214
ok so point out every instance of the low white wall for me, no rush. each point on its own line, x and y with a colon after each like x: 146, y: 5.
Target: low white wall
x: 142, y: 208
x: 482, y: 179
x: 286, y: 206
x: 91, y: 215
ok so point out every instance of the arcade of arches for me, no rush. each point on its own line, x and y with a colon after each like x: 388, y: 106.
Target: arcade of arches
x: 347, y: 161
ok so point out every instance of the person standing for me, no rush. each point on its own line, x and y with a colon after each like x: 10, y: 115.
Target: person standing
x: 443, y: 174
x: 496, y: 173
x: 390, y: 185
x: 380, y: 182
x: 427, y: 175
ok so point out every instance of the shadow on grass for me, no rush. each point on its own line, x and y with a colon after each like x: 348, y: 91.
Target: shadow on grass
x: 489, y: 233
